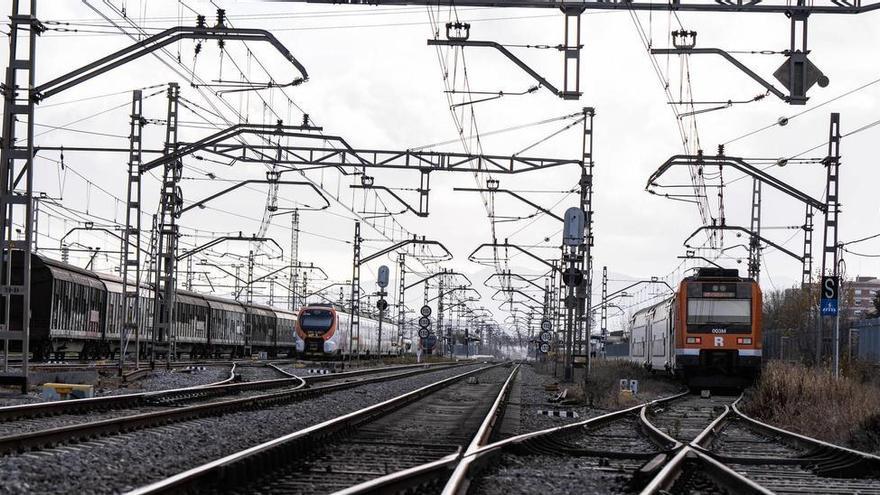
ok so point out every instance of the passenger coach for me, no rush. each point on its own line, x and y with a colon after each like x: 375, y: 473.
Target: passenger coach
x: 709, y: 332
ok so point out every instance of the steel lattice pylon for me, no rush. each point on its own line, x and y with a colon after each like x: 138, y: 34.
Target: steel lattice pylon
x: 131, y: 238
x: 16, y: 198
x: 169, y: 207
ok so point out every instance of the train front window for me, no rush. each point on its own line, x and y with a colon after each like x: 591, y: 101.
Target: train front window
x: 316, y: 320
x: 711, y: 311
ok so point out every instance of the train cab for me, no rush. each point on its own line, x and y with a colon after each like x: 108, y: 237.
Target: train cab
x: 315, y: 327
x: 718, y: 334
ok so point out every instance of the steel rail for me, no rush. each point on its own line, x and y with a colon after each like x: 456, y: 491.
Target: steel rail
x: 669, y: 469
x: 719, y: 473
x: 804, y: 440
x: 656, y: 433
x: 123, y: 424
x: 75, y: 365
x: 459, y: 481
x: 482, y: 456
x: 694, y: 451
x: 714, y: 464
x: 224, y: 387
x: 454, y: 465
x: 241, y: 466
x: 53, y: 408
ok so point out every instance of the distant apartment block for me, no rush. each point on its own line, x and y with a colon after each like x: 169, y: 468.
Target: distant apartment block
x: 863, y: 289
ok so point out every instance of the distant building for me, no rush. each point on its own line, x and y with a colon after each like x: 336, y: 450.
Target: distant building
x: 864, y: 289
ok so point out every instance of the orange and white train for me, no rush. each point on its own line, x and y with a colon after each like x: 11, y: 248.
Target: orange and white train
x: 708, y: 333
x: 324, y: 332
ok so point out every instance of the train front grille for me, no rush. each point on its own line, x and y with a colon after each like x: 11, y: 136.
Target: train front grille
x: 315, y: 345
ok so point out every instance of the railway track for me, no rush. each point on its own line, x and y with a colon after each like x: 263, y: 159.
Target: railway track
x: 410, y: 442
x: 41, y: 425
x: 785, y: 462
x: 679, y: 444
x: 76, y: 365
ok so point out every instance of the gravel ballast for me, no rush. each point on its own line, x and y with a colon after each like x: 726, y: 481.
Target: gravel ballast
x: 171, y: 379
x: 534, y: 397
x: 123, y: 462
x: 255, y: 373
x: 558, y: 475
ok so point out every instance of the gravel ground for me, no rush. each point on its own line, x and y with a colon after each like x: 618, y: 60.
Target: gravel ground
x: 123, y: 462
x: 170, y: 379
x: 255, y: 373
x: 14, y: 399
x: 533, y: 398
x: 558, y: 475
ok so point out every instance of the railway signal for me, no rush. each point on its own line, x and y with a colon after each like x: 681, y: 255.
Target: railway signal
x: 829, y: 301
x: 382, y: 304
x: 573, y: 232
x: 383, y: 276
x: 424, y: 324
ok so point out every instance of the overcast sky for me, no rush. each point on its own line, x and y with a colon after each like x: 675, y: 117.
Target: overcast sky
x: 375, y: 82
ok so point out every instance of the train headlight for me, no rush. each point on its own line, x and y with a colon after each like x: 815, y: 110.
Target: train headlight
x: 694, y: 340
x: 744, y: 340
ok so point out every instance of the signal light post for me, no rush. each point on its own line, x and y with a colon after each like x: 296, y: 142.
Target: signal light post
x: 573, y: 238
x: 382, y: 304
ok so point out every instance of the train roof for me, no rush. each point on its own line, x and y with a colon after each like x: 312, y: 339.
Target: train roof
x: 216, y: 302
x: 259, y: 309
x: 284, y: 312
x: 716, y: 273
x: 190, y: 297
x: 652, y: 307
x: 113, y: 283
x: 70, y: 273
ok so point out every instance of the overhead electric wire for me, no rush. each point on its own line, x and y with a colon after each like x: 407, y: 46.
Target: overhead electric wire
x: 698, y: 184
x: 67, y: 127
x: 805, y: 111
x: 191, y: 75
x: 503, y: 130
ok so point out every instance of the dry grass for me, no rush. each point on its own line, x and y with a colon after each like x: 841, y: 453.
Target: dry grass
x: 604, y: 390
x: 810, y: 401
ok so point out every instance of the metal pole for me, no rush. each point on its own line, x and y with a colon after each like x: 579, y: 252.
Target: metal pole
x: 401, y: 293
x: 567, y: 373
x: 294, y: 259
x: 379, y: 344
x: 166, y: 273
x: 837, y: 322
x: 586, y: 249
x: 355, y: 289
x: 17, y: 165
x: 131, y: 238
x: 832, y: 203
